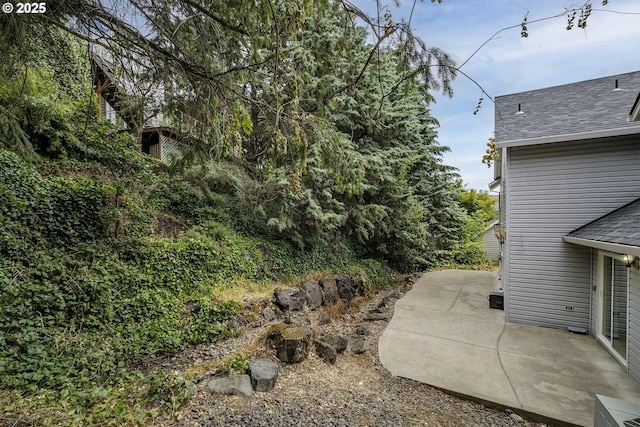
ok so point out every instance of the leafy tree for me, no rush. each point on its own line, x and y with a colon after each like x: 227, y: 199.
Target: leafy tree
x: 212, y: 59
x: 479, y: 203
x: 492, y: 154
x: 469, y: 250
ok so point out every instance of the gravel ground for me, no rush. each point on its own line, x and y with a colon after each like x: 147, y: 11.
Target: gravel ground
x: 356, y: 391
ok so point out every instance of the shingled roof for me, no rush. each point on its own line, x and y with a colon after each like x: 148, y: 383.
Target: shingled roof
x: 621, y: 226
x: 587, y: 106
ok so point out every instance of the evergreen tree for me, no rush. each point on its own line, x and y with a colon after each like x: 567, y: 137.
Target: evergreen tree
x: 331, y: 126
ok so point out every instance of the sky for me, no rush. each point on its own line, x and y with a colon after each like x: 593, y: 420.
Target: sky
x: 549, y: 56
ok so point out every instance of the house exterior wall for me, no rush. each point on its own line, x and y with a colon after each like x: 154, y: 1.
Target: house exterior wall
x: 633, y: 362
x: 491, y: 244
x: 552, y: 189
x: 109, y: 114
x: 170, y: 149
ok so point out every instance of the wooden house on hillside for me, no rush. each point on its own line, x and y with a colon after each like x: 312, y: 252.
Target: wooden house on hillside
x: 157, y: 138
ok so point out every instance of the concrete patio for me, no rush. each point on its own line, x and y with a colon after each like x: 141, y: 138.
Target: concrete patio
x: 443, y: 333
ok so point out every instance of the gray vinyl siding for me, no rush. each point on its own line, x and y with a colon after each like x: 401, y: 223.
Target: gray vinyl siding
x: 553, y: 189
x: 633, y: 363
x: 491, y: 244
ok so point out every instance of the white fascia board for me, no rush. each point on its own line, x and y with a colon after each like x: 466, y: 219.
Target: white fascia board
x: 631, y: 130
x: 605, y: 246
x: 492, y: 224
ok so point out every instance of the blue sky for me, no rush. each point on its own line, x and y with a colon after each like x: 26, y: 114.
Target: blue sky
x: 550, y: 56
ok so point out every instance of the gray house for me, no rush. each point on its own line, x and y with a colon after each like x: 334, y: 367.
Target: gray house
x: 569, y: 178
x: 491, y: 242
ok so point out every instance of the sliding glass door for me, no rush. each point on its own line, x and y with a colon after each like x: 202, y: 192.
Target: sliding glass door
x: 614, y: 304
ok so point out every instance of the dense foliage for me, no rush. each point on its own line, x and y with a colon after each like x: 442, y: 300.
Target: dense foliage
x: 308, y: 153
x: 479, y: 203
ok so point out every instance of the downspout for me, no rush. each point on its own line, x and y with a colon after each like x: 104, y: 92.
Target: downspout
x: 590, y: 290
x: 500, y: 244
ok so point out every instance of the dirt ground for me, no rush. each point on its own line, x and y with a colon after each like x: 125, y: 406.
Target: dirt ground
x: 356, y: 391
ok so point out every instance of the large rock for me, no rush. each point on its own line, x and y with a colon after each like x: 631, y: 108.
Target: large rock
x: 239, y: 385
x: 324, y: 318
x: 313, y: 294
x: 349, y: 289
x: 357, y: 284
x: 264, y: 374
x: 339, y: 342
x: 269, y: 314
x: 375, y: 315
x: 329, y: 290
x: 357, y: 344
x: 297, y: 318
x: 290, y: 298
x: 292, y: 342
x: 325, y: 351
x: 238, y: 322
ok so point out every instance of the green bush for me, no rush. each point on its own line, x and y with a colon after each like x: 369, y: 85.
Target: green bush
x: 470, y: 251
x: 74, y: 210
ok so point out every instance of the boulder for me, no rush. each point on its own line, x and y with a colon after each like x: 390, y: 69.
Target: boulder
x: 375, y: 315
x: 313, y: 294
x: 238, y: 322
x: 298, y: 318
x: 357, y: 284
x: 289, y: 298
x: 329, y: 290
x: 269, y: 314
x: 339, y: 342
x: 516, y: 418
x: 356, y: 344
x: 264, y: 374
x: 324, y: 318
x: 291, y: 342
x: 349, y: 289
x: 325, y: 351
x: 238, y: 385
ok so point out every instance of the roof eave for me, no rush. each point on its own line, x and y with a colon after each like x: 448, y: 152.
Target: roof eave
x: 605, y: 246
x: 606, y: 133
x: 492, y: 224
